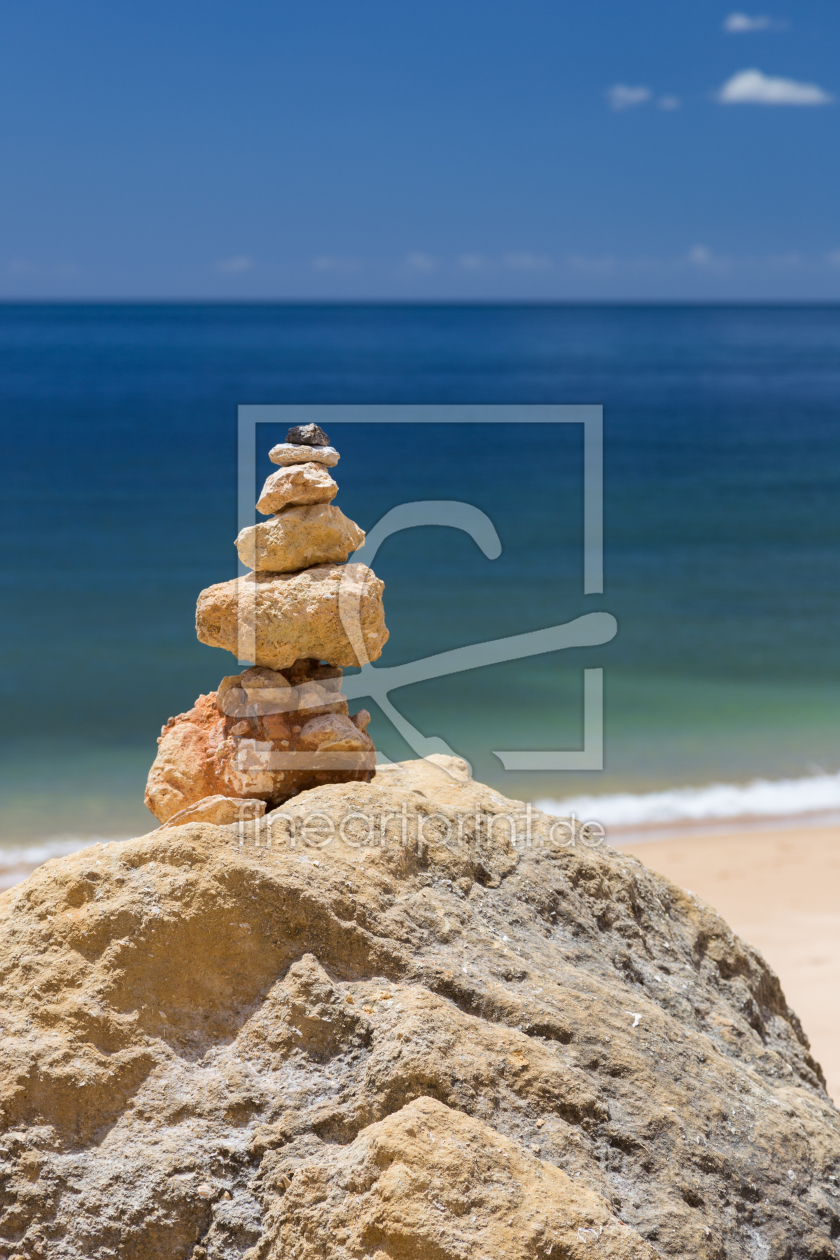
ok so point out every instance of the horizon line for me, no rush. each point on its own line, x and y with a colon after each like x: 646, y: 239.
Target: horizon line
x: 417, y: 302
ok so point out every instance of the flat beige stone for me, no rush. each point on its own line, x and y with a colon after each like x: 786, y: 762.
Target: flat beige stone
x: 285, y: 616
x: 219, y: 810
x: 299, y: 538
x: 290, y: 453
x: 299, y: 484
x: 333, y: 732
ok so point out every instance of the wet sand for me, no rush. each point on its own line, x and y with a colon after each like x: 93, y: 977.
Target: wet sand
x: 780, y: 890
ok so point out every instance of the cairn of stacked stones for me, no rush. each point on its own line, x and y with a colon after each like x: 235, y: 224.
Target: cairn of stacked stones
x: 301, y: 615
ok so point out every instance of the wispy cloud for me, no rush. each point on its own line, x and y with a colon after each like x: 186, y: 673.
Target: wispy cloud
x: 622, y: 96
x: 700, y: 256
x: 669, y: 102
x: 24, y: 269
x: 744, y: 23
x: 236, y: 265
x: 751, y: 87
x: 701, y: 261
x: 698, y: 264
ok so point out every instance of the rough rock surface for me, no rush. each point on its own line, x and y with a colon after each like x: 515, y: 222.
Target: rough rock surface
x: 298, y: 538
x: 294, y: 615
x: 290, y: 453
x: 263, y: 737
x: 419, y: 1169
x: 300, y: 484
x: 219, y: 810
x: 403, y: 1020
x: 307, y: 435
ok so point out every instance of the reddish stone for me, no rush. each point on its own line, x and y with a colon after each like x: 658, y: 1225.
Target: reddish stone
x: 263, y: 735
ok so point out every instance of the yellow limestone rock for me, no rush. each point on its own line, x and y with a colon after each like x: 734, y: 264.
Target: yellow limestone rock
x: 431, y: 1181
x: 299, y: 538
x: 406, y: 1019
x: 291, y: 453
x: 274, y: 619
x: 299, y: 484
x: 219, y: 810
x: 421, y: 1034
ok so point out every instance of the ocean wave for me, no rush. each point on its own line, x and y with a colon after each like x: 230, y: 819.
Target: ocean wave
x: 763, y: 798
x: 19, y: 860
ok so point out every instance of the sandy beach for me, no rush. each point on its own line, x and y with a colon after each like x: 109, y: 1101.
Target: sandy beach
x: 780, y: 890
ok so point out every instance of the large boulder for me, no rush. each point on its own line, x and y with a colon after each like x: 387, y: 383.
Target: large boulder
x: 332, y: 612
x: 398, y: 1020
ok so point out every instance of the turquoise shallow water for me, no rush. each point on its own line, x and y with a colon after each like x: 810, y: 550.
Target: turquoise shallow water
x: 722, y: 529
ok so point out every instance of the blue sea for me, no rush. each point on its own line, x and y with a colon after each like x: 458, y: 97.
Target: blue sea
x: 722, y: 541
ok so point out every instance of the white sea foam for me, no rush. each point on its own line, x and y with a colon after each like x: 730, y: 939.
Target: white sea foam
x: 763, y: 798
x: 17, y: 861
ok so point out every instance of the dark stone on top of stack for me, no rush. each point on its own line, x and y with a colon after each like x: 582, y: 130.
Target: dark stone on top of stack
x: 307, y: 435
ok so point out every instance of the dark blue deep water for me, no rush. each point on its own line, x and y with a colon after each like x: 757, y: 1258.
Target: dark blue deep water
x: 722, y: 484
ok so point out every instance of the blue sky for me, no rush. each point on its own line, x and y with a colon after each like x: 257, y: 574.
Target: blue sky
x: 460, y: 149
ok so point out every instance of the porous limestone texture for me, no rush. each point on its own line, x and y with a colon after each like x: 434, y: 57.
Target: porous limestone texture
x: 263, y: 737
x: 290, y: 453
x: 299, y: 538
x: 299, y: 484
x: 292, y: 615
x: 419, y: 1169
x: 398, y: 1020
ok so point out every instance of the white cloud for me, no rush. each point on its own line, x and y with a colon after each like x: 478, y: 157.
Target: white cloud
x: 669, y: 102
x: 751, y: 87
x: 706, y: 260
x: 742, y: 23
x: 235, y: 265
x: 22, y: 267
x: 621, y: 96
x: 700, y: 256
x: 702, y: 262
